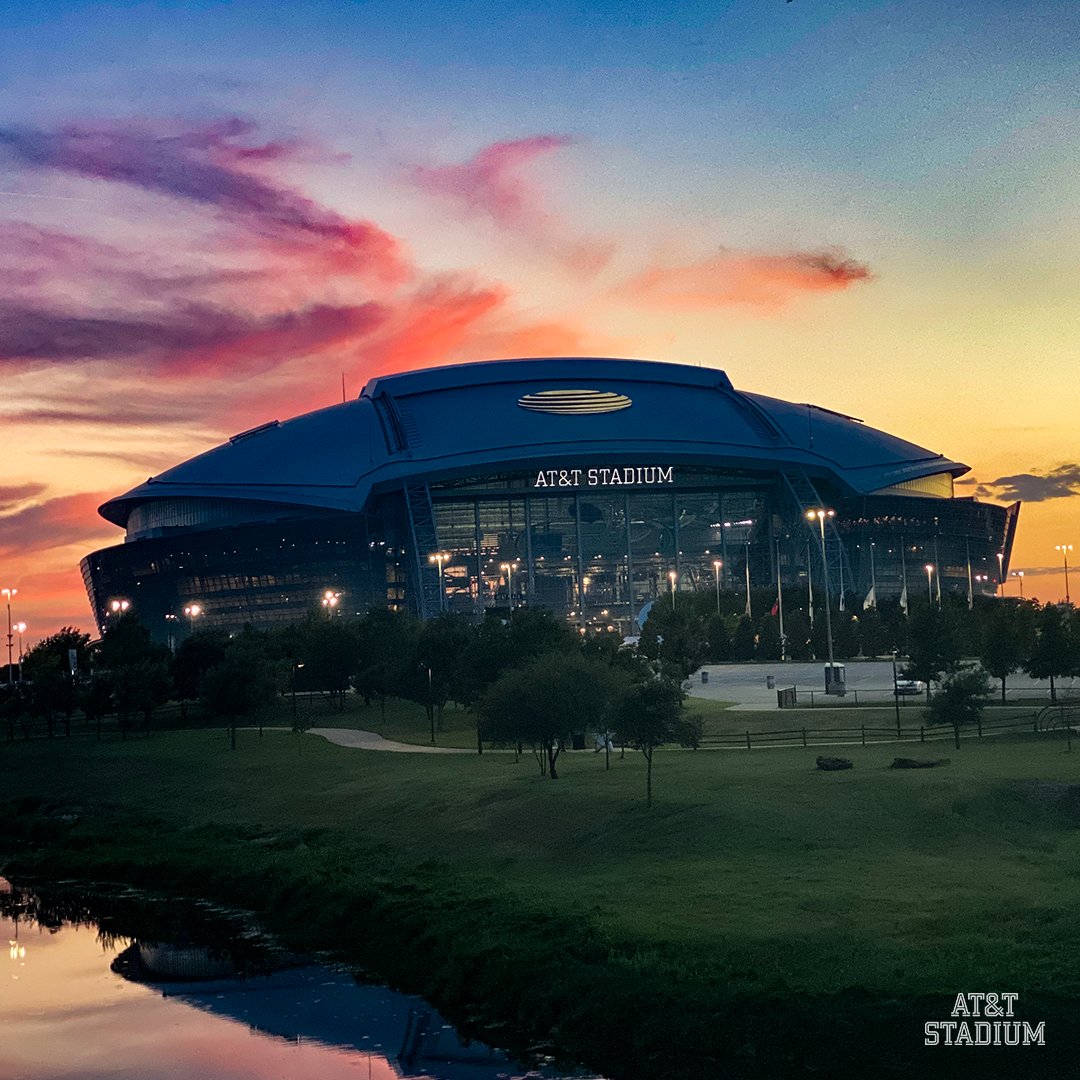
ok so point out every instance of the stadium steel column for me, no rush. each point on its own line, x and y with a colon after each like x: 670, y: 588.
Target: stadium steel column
x: 530, y: 575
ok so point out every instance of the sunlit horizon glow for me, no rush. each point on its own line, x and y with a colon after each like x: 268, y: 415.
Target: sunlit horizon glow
x: 872, y: 207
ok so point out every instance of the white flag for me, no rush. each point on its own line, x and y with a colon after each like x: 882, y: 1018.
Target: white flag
x: 903, y: 601
x: 871, y: 600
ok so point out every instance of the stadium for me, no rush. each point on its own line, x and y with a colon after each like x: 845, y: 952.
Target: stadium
x: 582, y: 485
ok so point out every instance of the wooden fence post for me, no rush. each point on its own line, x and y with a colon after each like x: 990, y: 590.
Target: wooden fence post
x: 862, y: 728
x: 747, y: 740
x: 978, y: 720
x: 804, y: 736
x: 922, y: 733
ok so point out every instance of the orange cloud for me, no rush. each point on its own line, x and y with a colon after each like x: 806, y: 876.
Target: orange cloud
x: 736, y: 278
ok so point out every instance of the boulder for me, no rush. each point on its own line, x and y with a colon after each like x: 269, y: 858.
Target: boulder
x: 834, y: 764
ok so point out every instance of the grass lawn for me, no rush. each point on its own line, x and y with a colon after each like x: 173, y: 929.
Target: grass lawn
x: 898, y: 882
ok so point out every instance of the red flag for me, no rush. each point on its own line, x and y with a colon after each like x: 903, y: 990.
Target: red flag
x: 775, y: 607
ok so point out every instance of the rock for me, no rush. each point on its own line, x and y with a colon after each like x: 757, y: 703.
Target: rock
x: 834, y: 764
x: 915, y: 763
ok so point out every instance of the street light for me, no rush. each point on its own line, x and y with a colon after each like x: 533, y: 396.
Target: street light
x: 439, y: 559
x: 1063, y: 548
x: 193, y: 611
x: 330, y: 600
x: 118, y: 607
x: 820, y: 515
x: 170, y: 618
x: 1001, y: 572
x: 20, y: 629
x: 672, y: 577
x: 8, y: 594
x: 1019, y: 575
x: 508, y: 569
x: 929, y: 568
x: 717, y: 566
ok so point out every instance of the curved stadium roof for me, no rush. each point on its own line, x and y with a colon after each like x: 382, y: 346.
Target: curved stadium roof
x: 473, y: 418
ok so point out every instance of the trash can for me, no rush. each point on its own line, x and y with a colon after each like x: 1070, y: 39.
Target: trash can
x: 770, y: 682
x: 704, y: 677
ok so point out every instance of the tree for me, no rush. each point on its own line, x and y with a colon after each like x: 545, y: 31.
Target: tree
x: 743, y: 641
x: 47, y: 668
x: 1007, y: 638
x: 96, y: 699
x: 196, y: 655
x: 768, y: 643
x: 140, y: 687
x: 245, y: 681
x: 684, y: 644
x: 960, y: 700
x: 874, y: 635
x: 932, y: 646
x: 1056, y: 651
x: 650, y: 714
x: 429, y: 675
x: 545, y: 703
x: 330, y: 654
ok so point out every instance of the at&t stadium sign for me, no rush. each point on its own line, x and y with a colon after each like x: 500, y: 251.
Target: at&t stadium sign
x: 605, y: 476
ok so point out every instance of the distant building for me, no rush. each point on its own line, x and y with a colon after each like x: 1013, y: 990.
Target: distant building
x: 574, y: 484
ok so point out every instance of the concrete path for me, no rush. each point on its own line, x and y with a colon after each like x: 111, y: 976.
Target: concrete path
x: 368, y: 740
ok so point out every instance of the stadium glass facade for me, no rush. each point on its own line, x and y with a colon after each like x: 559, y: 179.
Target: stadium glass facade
x: 590, y: 512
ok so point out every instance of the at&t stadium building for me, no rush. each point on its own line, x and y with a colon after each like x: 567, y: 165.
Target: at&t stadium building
x: 575, y: 484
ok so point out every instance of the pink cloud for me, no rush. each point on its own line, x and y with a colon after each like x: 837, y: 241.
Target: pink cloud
x: 737, y: 278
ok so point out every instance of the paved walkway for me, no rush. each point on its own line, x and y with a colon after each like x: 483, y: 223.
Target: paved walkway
x: 369, y: 740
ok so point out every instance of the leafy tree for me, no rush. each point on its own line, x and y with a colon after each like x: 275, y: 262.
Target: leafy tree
x: 47, y: 667
x: 196, y: 655
x: 684, y: 645
x: 330, y: 654
x: 650, y: 714
x: 932, y: 646
x: 386, y: 639
x: 742, y: 641
x: 429, y: 674
x: 718, y: 636
x: 1007, y: 639
x: 246, y: 681
x: 1055, y: 652
x: 797, y: 631
x: 960, y: 700
x: 768, y: 644
x: 875, y: 638
x: 544, y: 703
x: 140, y: 687
x: 96, y: 699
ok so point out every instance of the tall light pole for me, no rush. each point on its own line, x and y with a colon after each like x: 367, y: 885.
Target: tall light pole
x: 1063, y: 548
x: 820, y: 515
x: 8, y: 594
x: 1019, y: 575
x: 749, y: 613
x: 20, y: 629
x: 439, y: 559
x: 929, y: 568
x: 780, y: 605
x: 170, y: 619
x: 192, y: 611
x: 1000, y: 590
x: 509, y: 569
x: 118, y: 607
x: 717, y: 567
x: 672, y: 577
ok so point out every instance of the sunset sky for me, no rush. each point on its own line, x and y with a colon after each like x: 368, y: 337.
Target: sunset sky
x: 209, y: 211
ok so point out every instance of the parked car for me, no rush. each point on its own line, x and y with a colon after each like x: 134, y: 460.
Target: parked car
x: 910, y: 686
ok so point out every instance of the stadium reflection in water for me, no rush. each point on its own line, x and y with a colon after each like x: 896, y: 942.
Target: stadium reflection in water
x: 89, y: 992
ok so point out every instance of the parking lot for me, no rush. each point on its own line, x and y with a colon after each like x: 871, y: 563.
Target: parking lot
x: 869, y: 680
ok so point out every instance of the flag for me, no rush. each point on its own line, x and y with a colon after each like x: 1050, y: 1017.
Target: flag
x: 842, y: 600
x: 903, y: 601
x: 775, y: 608
x: 871, y: 600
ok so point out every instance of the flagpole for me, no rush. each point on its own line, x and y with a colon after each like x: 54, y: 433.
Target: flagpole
x: 903, y: 576
x: 971, y: 596
x: 780, y: 605
x: 809, y: 584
